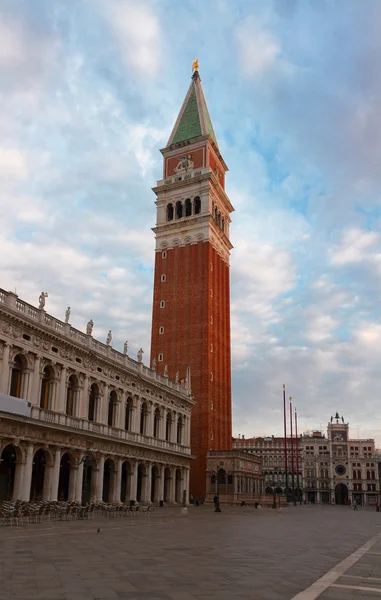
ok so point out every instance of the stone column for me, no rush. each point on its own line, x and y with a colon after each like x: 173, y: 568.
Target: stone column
x: 27, y: 384
x: 174, y: 428
x: 79, y: 483
x: 161, y: 483
x: 186, y: 484
x: 100, y: 473
x: 83, y: 400
x: 53, y: 495
x: 104, y: 405
x: 72, y: 482
x: 150, y: 418
x: 172, y: 493
x: 5, y: 370
x: 26, y: 477
x: 36, y: 382
x: 62, y: 393
x: 136, y: 416
x: 148, y: 483
x: 118, y: 483
x: 122, y: 411
x: 134, y: 481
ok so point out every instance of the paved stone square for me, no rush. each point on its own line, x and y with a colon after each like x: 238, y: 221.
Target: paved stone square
x: 240, y: 553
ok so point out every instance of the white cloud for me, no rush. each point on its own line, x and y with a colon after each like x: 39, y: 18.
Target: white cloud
x: 320, y: 328
x: 12, y: 44
x: 13, y: 164
x: 138, y: 32
x: 354, y: 247
x: 257, y: 48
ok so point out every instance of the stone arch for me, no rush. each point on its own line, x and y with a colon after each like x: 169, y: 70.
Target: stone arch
x: 129, y: 413
x: 155, y: 483
x: 141, y: 482
x: 18, y: 375
x: 125, y: 487
x: 156, y: 422
x: 112, y: 408
x: 47, y: 386
x: 64, y: 478
x: 71, y: 393
x: 179, y: 209
x: 188, y: 207
x: 200, y: 237
x: 178, y: 485
x: 10, y: 456
x: 341, y: 494
x: 176, y: 242
x: 93, y: 402
x: 168, y: 426
x: 109, y: 480
x: 41, y: 474
x: 170, y: 212
x: 278, y: 490
x: 167, y: 484
x: 197, y: 205
x: 188, y: 239
x: 269, y: 490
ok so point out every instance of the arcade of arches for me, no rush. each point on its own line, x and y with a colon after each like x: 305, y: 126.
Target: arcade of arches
x: 33, y: 472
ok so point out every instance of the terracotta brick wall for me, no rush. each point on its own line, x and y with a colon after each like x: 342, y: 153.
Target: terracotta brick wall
x: 192, y: 273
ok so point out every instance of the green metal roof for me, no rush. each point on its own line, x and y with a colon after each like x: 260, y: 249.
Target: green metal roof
x: 189, y: 125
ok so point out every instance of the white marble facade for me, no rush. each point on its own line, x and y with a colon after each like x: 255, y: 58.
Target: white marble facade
x: 102, y: 426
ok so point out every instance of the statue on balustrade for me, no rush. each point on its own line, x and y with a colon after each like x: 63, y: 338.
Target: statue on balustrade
x: 125, y: 348
x: 109, y: 338
x: 140, y: 355
x: 89, y: 327
x: 67, y: 315
x: 41, y: 299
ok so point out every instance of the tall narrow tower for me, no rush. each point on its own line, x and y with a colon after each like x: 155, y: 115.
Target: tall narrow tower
x: 191, y: 301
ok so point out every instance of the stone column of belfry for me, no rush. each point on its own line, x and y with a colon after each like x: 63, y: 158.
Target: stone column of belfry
x: 191, y: 300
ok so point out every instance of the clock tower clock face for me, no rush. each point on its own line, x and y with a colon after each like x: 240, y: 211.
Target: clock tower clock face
x: 339, y: 436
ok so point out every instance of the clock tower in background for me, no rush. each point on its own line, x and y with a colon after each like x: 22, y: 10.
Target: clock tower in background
x: 191, y: 299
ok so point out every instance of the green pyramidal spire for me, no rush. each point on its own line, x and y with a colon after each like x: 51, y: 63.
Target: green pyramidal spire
x: 194, y: 119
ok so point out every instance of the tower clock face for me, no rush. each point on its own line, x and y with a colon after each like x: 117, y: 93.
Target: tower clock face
x: 338, y: 437
x: 340, y: 470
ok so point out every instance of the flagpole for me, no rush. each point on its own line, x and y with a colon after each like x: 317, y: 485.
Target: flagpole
x: 292, y: 454
x: 297, y: 454
x: 285, y: 435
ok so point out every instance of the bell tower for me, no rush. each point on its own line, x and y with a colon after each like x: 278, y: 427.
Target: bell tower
x: 191, y: 299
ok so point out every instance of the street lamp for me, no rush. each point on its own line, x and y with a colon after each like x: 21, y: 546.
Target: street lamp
x: 88, y: 460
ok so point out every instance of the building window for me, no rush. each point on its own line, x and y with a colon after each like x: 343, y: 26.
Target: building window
x: 128, y: 416
x: 211, y: 377
x: 179, y: 210
x: 168, y: 427
x: 162, y: 303
x: 156, y: 423
x: 47, y: 387
x: 211, y: 293
x: 211, y: 266
x: 164, y: 254
x: 170, y: 212
x: 161, y: 330
x: 179, y: 435
x: 211, y: 436
x: 17, y: 377
x: 211, y: 405
x: 211, y: 320
x: 197, y: 205
x: 188, y: 208
x: 211, y: 347
x: 143, y: 418
x: 160, y: 358
x: 71, y: 390
x: 112, y: 409
x: 163, y: 278
x: 93, y: 399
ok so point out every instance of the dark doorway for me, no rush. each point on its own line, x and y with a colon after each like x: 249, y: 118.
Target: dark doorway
x: 7, y: 472
x: 341, y: 494
x: 141, y: 476
x: 63, y: 485
x: 38, y: 476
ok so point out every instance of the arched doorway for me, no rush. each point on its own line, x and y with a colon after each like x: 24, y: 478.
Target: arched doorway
x: 154, y: 495
x: 63, y: 484
x: 47, y: 387
x: 221, y: 481
x: 278, y: 491
x: 125, y: 491
x: 269, y: 490
x: 178, y: 486
x: 140, y: 492
x: 38, y: 475
x: 108, y: 481
x: 341, y: 494
x: 167, y: 485
x: 7, y: 472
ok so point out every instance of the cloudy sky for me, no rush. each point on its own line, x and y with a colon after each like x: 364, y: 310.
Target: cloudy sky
x: 89, y: 92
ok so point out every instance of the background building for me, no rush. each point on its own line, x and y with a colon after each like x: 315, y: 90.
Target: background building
x: 332, y: 468
x: 191, y: 299
x: 97, y: 425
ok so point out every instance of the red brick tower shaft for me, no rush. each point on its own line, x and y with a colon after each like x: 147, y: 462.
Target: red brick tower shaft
x: 191, y: 303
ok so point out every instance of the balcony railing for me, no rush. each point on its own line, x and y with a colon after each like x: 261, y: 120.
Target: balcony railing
x: 84, y: 425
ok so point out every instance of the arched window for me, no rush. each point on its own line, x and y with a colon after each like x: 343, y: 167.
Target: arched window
x: 113, y: 399
x: 71, y: 391
x: 215, y: 213
x: 170, y: 212
x: 219, y: 218
x: 46, y: 387
x: 223, y: 224
x: 188, y: 208
x: 368, y: 474
x: 168, y: 427
x: 197, y: 205
x: 129, y: 413
x: 156, y: 423
x: 179, y: 210
x: 17, y: 377
x: 143, y: 418
x: 179, y: 430
x: 93, y: 399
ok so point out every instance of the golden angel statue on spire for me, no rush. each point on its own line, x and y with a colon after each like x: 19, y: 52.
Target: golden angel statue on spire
x: 195, y: 65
